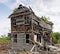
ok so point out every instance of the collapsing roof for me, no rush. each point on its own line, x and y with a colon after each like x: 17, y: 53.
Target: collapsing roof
x: 21, y: 10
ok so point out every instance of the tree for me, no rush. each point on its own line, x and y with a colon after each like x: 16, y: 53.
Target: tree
x: 56, y: 37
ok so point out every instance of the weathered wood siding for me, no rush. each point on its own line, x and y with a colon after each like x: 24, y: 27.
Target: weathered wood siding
x: 21, y: 42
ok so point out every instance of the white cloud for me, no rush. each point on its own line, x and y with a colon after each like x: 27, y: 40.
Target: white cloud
x: 4, y: 26
x: 3, y: 1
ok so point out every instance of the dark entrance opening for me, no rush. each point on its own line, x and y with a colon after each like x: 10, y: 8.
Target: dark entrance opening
x: 15, y: 38
x: 27, y: 38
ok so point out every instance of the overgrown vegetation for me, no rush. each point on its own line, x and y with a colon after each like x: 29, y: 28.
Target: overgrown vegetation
x: 56, y: 37
x: 46, y: 20
x: 5, y: 39
x: 15, y: 10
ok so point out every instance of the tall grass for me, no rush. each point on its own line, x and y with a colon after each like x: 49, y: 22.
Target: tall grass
x: 5, y: 40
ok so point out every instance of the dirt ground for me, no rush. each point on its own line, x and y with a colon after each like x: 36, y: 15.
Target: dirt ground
x: 4, y: 52
x: 4, y: 46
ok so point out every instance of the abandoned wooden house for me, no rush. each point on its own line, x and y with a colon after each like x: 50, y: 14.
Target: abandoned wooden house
x: 28, y: 29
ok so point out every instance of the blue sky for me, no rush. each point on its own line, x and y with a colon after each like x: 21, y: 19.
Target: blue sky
x: 48, y: 8
x: 4, y: 21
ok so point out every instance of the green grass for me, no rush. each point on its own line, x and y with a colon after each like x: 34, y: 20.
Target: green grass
x: 5, y: 40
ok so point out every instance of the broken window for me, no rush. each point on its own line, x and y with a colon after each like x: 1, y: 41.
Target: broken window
x: 15, y: 38
x: 27, y: 38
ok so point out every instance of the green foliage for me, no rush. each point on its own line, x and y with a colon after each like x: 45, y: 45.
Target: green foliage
x: 15, y: 10
x: 5, y: 40
x: 56, y: 37
x: 46, y: 20
x: 59, y: 41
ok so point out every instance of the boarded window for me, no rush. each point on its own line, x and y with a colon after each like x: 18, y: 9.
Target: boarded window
x: 27, y: 38
x: 15, y: 38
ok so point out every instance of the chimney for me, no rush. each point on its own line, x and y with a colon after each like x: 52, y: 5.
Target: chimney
x: 20, y: 6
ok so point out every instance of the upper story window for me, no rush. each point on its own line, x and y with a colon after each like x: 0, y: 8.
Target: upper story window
x: 27, y: 20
